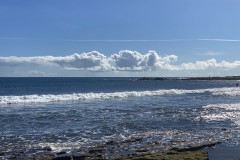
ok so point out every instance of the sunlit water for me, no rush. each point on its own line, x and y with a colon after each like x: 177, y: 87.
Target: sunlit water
x: 73, y: 113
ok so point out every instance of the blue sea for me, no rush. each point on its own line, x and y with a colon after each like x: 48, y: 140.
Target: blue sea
x: 79, y: 113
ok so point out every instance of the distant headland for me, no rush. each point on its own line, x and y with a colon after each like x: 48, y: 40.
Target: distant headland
x: 191, y: 78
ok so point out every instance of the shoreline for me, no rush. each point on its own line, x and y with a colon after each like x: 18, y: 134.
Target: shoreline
x: 125, y: 150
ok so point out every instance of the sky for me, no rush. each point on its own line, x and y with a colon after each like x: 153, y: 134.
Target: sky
x: 98, y: 38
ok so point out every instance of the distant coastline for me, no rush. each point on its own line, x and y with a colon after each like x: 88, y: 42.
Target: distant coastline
x: 191, y: 78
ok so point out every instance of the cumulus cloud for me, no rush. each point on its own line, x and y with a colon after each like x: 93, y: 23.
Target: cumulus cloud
x: 125, y: 60
x: 128, y: 60
x: 135, y: 61
x: 211, y: 63
x: 92, y: 61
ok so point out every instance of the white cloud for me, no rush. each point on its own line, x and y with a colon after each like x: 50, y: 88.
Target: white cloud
x: 128, y: 60
x: 92, y: 61
x: 13, y: 61
x: 135, y: 61
x: 125, y: 61
x: 211, y: 63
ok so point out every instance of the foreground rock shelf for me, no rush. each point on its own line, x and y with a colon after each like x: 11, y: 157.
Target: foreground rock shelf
x: 172, y: 155
x: 191, y: 153
x: 144, y: 153
x: 136, y: 147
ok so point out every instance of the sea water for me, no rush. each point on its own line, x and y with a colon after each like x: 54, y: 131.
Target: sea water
x: 70, y: 113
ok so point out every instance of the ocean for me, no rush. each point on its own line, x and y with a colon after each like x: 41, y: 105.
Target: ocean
x: 75, y: 114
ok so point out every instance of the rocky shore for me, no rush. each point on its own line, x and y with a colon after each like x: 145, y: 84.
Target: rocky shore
x: 125, y: 150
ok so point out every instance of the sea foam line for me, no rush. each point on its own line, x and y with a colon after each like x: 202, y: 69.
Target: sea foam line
x: 91, y: 96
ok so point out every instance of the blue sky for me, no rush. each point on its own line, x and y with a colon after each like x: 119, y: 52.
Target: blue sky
x: 192, y: 30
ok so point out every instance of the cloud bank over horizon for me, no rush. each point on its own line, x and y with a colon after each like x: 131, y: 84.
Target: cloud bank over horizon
x: 124, y: 61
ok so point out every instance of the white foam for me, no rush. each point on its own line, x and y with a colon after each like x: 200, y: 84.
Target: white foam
x: 58, y: 147
x: 91, y: 96
x: 233, y: 92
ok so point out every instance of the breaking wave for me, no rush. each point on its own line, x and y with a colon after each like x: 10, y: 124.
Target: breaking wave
x: 94, y: 96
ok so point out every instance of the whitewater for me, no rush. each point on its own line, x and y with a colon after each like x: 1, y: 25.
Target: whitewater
x: 233, y: 91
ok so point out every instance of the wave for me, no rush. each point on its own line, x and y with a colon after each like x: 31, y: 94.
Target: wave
x: 94, y: 96
x: 234, y: 92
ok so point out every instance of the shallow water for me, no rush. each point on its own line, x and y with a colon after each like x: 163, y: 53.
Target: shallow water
x: 77, y: 113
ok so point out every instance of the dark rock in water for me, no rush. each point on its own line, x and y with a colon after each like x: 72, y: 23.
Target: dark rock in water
x: 133, y: 140
x: 16, y: 155
x: 3, y: 154
x: 99, y: 155
x: 111, y: 143
x: 142, y: 150
x: 96, y: 151
x: 195, y: 148
x: 60, y: 153
x: 63, y: 158
x: 138, y: 139
x: 82, y: 157
x: 47, y: 148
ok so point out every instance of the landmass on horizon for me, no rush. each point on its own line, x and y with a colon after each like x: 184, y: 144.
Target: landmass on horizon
x: 191, y: 78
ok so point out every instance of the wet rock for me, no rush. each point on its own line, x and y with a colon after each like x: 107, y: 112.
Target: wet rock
x: 17, y: 155
x: 47, y: 148
x: 170, y: 154
x: 195, y: 148
x: 96, y: 151
x: 111, y: 143
x: 142, y: 150
x: 80, y: 157
x: 102, y: 146
x: 133, y: 140
x: 63, y: 158
x: 3, y: 154
x: 138, y: 139
x: 154, y: 143
x: 99, y: 155
x: 60, y: 153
